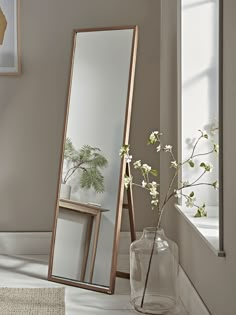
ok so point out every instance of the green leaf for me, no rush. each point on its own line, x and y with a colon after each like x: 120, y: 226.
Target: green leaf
x: 154, y: 172
x: 197, y: 214
x: 191, y: 163
x: 215, y: 184
x: 70, y: 153
x: 204, y: 134
x: 124, y: 150
x: 90, y: 161
x: 92, y: 178
x: 208, y: 168
x: 201, y: 212
x: 191, y: 194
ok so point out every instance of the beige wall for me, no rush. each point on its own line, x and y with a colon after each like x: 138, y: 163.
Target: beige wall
x: 32, y: 105
x: 213, y: 277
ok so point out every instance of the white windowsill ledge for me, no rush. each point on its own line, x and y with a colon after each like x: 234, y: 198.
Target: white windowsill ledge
x: 207, y: 228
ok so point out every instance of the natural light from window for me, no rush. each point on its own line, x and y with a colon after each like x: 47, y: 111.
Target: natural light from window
x: 200, y: 108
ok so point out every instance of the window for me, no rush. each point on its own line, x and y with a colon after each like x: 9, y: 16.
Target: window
x: 200, y: 103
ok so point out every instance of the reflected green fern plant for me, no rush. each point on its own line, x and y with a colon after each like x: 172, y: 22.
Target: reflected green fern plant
x: 89, y: 162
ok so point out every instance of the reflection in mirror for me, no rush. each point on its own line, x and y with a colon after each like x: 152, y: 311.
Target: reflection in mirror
x: 201, y: 91
x: 78, y: 225
x: 90, y: 194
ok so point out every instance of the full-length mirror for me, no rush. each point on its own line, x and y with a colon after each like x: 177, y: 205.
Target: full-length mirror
x: 90, y: 190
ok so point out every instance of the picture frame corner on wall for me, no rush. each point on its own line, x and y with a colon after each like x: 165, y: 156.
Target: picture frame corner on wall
x: 10, y: 63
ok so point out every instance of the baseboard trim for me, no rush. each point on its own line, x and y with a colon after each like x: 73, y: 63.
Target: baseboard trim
x: 38, y: 243
x: 189, y: 296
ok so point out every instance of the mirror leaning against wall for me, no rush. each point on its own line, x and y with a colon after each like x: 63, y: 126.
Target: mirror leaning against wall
x: 90, y: 189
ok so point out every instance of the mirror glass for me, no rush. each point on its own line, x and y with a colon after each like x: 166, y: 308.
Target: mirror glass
x: 97, y: 124
x: 200, y: 106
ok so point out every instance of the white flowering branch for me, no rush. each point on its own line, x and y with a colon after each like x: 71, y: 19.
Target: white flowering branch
x: 152, y: 186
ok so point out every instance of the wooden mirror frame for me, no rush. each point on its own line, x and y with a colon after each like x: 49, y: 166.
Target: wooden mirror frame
x: 95, y: 287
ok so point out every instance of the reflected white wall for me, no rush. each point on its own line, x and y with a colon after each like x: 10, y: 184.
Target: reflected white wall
x: 200, y: 66
x: 96, y: 118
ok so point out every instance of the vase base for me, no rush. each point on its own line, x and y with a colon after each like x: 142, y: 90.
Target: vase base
x: 155, y: 304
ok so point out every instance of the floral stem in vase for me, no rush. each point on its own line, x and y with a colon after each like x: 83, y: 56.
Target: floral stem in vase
x: 148, y: 270
x: 152, y: 251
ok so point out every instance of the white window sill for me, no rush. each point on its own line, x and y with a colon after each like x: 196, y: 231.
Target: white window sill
x: 207, y: 227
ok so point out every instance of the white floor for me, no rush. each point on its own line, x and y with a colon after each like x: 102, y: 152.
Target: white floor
x: 31, y: 271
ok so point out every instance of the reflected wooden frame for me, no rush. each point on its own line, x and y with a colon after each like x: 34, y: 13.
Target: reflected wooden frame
x: 95, y: 287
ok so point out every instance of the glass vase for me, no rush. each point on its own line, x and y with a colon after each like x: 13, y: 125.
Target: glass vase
x: 153, y: 273
x: 65, y: 191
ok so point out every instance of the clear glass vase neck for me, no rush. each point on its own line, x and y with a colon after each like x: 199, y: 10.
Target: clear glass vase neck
x: 151, y: 232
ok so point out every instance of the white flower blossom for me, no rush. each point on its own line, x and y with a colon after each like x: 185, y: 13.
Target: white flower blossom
x: 154, y: 184
x: 127, y: 181
x: 146, y: 168
x: 154, y: 202
x: 137, y: 164
x: 190, y: 202
x: 173, y: 164
x: 208, y: 167
x: 168, y: 148
x: 177, y: 193
x: 144, y: 184
x: 128, y: 158
x: 158, y: 148
x: 154, y: 137
x: 153, y: 192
